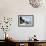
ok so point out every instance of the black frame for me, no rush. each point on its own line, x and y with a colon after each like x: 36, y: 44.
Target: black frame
x: 27, y: 25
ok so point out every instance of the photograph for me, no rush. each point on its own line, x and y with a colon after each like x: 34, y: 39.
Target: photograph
x: 25, y: 20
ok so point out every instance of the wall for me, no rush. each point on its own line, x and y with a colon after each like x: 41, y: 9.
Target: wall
x: 13, y: 8
x: 45, y: 29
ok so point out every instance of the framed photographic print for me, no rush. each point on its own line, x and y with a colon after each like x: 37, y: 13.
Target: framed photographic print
x: 25, y: 20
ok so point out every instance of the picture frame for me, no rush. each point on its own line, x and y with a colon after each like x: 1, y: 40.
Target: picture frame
x: 25, y: 20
